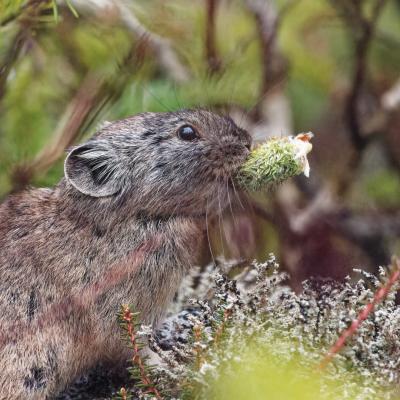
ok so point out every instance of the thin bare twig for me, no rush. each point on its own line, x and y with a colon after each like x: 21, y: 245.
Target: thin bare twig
x: 213, y: 60
x: 163, y: 51
x: 271, y: 111
x: 363, y: 29
x: 268, y: 21
x: 362, y: 46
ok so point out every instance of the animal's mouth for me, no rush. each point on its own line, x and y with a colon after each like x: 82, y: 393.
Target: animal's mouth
x: 230, y: 166
x: 234, y: 169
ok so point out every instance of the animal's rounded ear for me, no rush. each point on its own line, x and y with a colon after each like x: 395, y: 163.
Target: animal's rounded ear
x: 92, y: 169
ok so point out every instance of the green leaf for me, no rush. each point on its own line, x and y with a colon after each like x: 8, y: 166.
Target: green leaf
x: 55, y: 10
x: 72, y: 8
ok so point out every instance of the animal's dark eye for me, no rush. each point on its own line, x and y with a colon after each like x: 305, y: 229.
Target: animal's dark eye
x: 187, y: 132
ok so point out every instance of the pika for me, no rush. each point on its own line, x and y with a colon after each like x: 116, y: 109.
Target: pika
x: 123, y: 226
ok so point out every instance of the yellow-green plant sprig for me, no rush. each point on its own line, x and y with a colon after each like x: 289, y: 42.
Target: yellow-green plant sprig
x: 273, y: 162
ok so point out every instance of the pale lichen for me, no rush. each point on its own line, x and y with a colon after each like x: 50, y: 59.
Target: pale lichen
x: 237, y: 326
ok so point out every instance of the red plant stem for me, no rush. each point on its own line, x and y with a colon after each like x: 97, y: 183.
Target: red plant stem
x: 379, y: 295
x: 221, y: 328
x: 197, y: 331
x: 137, y: 359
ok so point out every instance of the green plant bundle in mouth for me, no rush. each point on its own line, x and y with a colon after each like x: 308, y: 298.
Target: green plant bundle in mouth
x: 275, y: 161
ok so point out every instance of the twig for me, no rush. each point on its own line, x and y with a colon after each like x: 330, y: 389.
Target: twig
x: 362, y: 47
x: 197, y: 345
x: 271, y: 111
x: 380, y: 294
x: 161, y: 47
x: 222, y: 327
x: 213, y: 60
x: 362, y: 29
x: 68, y: 130
x: 268, y: 21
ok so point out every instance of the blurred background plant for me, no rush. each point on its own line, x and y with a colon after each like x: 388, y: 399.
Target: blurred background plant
x: 277, y: 67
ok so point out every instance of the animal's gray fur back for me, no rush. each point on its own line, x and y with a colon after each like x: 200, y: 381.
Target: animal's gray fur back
x: 122, y: 227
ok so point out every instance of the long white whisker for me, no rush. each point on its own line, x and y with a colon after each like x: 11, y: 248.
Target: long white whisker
x: 236, y: 193
x: 221, y: 236
x: 230, y: 202
x: 208, y: 235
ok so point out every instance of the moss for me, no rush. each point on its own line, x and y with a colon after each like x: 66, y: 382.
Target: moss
x: 270, y: 164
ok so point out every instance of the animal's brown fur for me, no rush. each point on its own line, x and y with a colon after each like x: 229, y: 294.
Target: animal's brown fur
x: 123, y: 227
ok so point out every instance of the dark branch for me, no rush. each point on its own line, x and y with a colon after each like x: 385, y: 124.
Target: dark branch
x: 273, y: 64
x: 364, y: 34
x: 213, y: 60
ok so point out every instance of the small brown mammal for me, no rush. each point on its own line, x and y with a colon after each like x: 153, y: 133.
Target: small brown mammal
x: 135, y: 195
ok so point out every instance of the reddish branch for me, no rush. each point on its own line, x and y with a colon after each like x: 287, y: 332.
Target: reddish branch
x: 380, y: 294
x: 222, y: 327
x: 198, y: 348
x: 137, y: 360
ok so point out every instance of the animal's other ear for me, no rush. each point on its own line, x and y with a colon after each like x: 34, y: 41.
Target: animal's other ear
x: 92, y: 169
